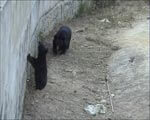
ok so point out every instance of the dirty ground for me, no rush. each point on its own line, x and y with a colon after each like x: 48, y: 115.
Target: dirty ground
x: 97, y: 53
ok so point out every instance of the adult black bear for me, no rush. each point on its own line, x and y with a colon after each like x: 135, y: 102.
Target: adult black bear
x: 40, y: 66
x: 61, y: 40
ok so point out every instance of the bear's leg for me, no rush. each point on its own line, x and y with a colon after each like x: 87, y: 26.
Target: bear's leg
x: 68, y: 45
x: 32, y: 60
x: 54, y: 47
x: 63, y: 50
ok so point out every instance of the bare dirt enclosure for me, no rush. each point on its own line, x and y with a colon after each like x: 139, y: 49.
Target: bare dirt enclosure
x: 111, y: 43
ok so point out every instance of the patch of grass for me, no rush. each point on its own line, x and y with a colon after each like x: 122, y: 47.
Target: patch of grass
x: 41, y: 36
x: 84, y: 8
x: 104, y: 3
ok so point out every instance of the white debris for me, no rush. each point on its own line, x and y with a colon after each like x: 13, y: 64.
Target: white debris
x: 80, y: 30
x: 28, y: 80
x: 95, y: 109
x: 112, y: 95
x: 119, y: 22
x: 103, y: 101
x: 105, y: 20
x: 74, y: 73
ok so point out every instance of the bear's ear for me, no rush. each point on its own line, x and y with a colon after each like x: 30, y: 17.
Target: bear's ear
x: 28, y: 57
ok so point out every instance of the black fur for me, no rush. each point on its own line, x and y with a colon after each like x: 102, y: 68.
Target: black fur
x: 61, y: 40
x: 40, y: 66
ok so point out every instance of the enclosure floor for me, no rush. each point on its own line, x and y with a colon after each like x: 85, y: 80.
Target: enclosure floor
x: 77, y: 78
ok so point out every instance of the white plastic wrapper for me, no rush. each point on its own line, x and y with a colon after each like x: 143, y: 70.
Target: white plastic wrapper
x: 95, y: 109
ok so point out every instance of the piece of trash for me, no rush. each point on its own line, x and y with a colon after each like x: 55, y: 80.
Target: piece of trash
x: 95, y: 109
x: 74, y: 73
x: 103, y: 101
x: 80, y: 30
x: 119, y: 22
x: 105, y: 20
x: 28, y: 80
x: 112, y: 95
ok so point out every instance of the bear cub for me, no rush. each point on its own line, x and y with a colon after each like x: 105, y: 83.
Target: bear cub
x: 40, y: 66
x: 61, y: 40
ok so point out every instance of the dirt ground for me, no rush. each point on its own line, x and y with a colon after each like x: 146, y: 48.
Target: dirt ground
x: 78, y: 78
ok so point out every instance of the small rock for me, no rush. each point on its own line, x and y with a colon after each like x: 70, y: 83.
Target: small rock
x: 75, y: 91
x: 32, y: 103
x: 108, y: 118
x: 91, y: 37
x: 85, y: 45
x: 115, y: 48
x: 102, y: 82
x: 131, y: 59
x: 107, y: 103
x: 45, y: 96
x: 86, y: 28
x: 84, y: 98
x: 94, y: 91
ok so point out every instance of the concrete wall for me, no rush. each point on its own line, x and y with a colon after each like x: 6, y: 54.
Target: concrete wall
x: 20, y: 23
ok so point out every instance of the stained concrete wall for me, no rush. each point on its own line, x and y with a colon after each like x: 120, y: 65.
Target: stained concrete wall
x: 20, y: 23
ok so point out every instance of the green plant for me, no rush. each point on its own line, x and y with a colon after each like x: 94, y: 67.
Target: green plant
x: 40, y: 36
x: 84, y: 8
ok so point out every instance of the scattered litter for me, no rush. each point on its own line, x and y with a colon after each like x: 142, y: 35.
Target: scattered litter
x: 85, y: 45
x: 95, y: 109
x: 28, y: 80
x: 103, y: 101
x: 112, y: 95
x: 74, y: 73
x: 119, y: 22
x: 105, y: 20
x: 80, y: 30
x: 68, y: 70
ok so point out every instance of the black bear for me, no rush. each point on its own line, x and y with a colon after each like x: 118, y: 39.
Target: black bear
x: 61, y: 40
x: 40, y: 66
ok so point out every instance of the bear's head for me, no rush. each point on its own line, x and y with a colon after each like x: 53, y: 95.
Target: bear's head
x: 42, y: 50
